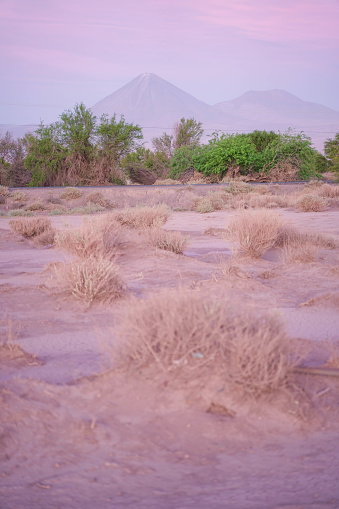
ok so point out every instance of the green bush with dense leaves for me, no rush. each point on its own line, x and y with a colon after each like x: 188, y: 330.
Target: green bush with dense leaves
x: 255, y: 152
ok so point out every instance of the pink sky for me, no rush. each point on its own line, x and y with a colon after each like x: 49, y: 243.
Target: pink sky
x: 54, y: 54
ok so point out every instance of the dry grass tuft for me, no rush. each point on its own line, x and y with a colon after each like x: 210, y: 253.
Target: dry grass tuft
x: 311, y: 203
x: 95, y: 238
x: 4, y: 191
x: 302, y: 246
x: 30, y: 227
x: 97, y: 198
x: 190, y: 334
x: 46, y: 238
x: 253, y: 232
x: 10, y: 350
x: 202, y: 204
x: 167, y: 182
x: 143, y: 216
x: 36, y: 206
x: 238, y: 187
x: 168, y: 240
x: 328, y: 191
x: 71, y: 193
x: 91, y: 279
x: 19, y: 196
x: 20, y: 212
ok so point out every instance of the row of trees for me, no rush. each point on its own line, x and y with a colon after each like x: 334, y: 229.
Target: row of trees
x: 79, y: 149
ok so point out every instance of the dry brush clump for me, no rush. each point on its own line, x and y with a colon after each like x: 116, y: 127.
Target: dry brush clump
x: 97, y: 198
x: 175, y: 242
x: 143, y: 216
x: 311, y: 203
x: 94, y: 238
x: 36, y: 206
x: 302, y: 246
x: 30, y: 227
x: 71, y: 193
x: 190, y: 335
x: 253, y: 232
x: 91, y: 279
x: 19, y: 196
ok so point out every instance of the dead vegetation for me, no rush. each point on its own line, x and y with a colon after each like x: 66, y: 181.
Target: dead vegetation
x: 187, y: 333
x: 311, y: 203
x: 253, y: 232
x: 71, y: 193
x: 143, y: 216
x: 91, y: 279
x: 30, y: 227
x: 94, y: 238
x: 175, y: 242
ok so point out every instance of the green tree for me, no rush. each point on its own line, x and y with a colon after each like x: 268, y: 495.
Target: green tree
x: 331, y: 147
x: 78, y: 151
x: 187, y: 132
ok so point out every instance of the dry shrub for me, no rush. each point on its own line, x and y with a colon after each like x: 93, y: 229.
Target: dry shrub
x: 328, y: 191
x: 97, y: 198
x: 95, y: 238
x: 91, y: 279
x: 4, y: 191
x: 167, y: 182
x: 58, y: 211
x: 255, y: 231
x: 20, y: 212
x: 188, y: 333
x: 202, y: 204
x: 311, y: 203
x: 284, y: 171
x: 238, y: 187
x: 35, y: 206
x: 46, y: 238
x: 168, y: 240
x: 19, y: 196
x: 143, y: 216
x: 10, y: 350
x: 302, y: 246
x: 71, y: 193
x: 90, y: 208
x: 30, y: 227
x: 254, y: 200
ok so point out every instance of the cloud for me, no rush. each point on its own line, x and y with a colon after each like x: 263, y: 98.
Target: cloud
x: 287, y: 21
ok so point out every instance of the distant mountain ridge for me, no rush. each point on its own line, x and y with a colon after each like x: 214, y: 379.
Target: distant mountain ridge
x: 155, y: 104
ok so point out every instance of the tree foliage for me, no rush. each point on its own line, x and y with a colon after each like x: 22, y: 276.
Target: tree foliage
x: 12, y: 161
x: 79, y: 151
x: 331, y: 147
x: 255, y: 152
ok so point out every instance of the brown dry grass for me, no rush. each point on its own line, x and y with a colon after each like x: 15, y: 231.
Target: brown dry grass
x: 253, y: 232
x: 187, y: 333
x: 19, y: 196
x: 30, y: 227
x: 302, y: 246
x: 95, y: 237
x: 311, y: 203
x: 143, y: 216
x: 36, y: 206
x: 10, y: 350
x: 91, y: 279
x: 97, y: 198
x: 175, y: 242
x: 71, y: 193
x: 45, y: 238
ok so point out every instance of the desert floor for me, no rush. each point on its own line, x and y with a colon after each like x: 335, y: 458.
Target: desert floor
x: 77, y: 434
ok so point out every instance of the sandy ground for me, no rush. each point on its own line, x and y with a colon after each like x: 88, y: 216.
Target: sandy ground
x: 75, y: 435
